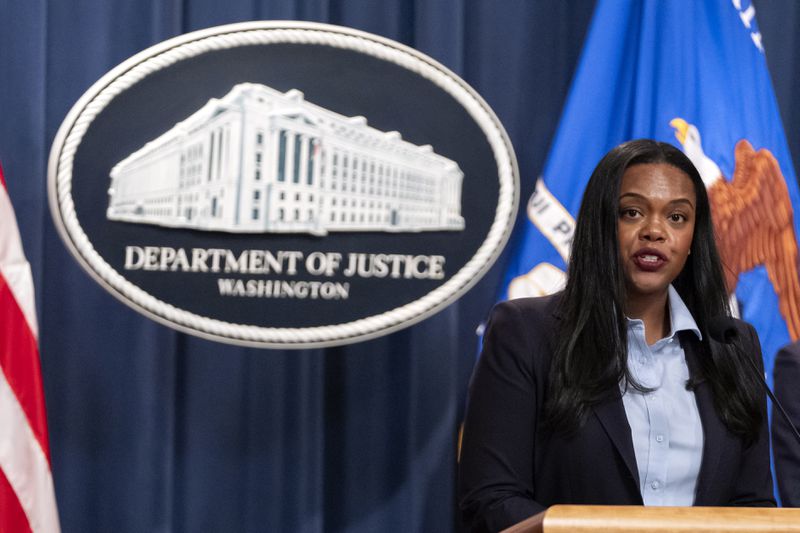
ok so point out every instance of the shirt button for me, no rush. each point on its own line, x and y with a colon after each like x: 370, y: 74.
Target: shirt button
x: 659, y: 438
x: 655, y: 485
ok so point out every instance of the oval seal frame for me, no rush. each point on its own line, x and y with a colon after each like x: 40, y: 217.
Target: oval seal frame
x: 283, y: 54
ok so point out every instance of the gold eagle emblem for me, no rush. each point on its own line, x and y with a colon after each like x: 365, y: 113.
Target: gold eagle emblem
x: 753, y: 219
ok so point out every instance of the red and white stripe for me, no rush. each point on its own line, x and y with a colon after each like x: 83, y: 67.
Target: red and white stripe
x: 27, y: 498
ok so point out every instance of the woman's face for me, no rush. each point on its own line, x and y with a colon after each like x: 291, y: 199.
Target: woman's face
x: 655, y: 226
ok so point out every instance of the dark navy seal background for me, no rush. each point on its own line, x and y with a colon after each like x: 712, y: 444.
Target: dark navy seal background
x: 155, y: 431
x: 343, y: 81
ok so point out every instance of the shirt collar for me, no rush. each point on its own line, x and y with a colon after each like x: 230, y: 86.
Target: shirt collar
x: 680, y: 317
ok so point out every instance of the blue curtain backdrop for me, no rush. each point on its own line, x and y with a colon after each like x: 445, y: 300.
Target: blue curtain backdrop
x: 153, y: 430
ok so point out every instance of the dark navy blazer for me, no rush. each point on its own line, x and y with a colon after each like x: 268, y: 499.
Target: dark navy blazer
x: 511, y: 468
x: 786, y: 375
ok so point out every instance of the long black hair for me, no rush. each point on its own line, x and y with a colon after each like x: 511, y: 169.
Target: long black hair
x: 590, y: 358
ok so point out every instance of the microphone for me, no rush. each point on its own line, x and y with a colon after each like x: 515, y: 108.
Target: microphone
x: 723, y: 330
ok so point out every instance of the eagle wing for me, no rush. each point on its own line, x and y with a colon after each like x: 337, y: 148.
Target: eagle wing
x: 754, y: 222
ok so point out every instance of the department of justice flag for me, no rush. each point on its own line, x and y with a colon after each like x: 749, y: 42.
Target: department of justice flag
x: 692, y: 73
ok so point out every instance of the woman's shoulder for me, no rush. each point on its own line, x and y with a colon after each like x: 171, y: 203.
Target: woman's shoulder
x: 529, y: 318
x: 540, y: 306
x: 519, y: 339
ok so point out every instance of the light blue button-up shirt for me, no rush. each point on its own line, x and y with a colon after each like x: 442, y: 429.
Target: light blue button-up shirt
x: 665, y: 424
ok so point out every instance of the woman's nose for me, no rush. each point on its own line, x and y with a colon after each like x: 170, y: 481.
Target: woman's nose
x: 652, y: 230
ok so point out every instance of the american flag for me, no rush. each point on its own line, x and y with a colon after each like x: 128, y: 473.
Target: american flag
x: 27, y: 499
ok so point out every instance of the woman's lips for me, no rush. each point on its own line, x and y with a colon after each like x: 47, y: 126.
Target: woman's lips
x: 649, y: 260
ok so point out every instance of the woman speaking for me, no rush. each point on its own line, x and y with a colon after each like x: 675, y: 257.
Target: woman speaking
x: 612, y: 391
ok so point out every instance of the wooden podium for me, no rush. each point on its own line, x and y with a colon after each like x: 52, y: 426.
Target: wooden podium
x: 638, y: 519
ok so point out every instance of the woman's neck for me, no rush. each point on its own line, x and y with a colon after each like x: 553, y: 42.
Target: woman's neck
x: 653, y: 311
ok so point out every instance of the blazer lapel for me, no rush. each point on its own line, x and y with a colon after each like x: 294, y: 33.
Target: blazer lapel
x: 714, y: 431
x: 611, y: 414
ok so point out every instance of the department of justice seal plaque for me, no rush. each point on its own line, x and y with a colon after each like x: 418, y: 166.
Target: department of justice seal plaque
x: 283, y: 184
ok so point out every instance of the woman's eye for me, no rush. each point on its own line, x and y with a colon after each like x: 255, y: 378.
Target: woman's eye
x: 677, y: 217
x: 630, y: 213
